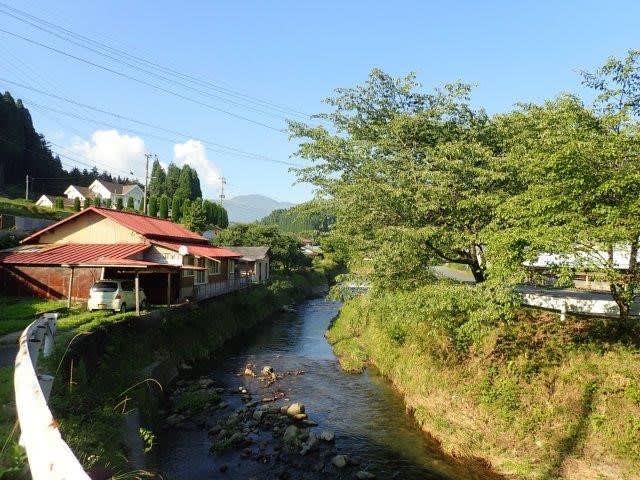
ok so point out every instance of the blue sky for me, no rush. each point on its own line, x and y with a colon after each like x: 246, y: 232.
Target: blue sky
x: 290, y: 53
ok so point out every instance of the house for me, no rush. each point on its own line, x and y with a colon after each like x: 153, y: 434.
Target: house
x: 254, y: 262
x: 107, y: 191
x: 169, y: 262
x: 49, y: 201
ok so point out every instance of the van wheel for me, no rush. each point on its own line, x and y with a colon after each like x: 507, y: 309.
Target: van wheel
x: 123, y: 308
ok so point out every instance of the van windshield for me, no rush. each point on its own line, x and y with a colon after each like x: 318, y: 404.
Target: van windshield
x: 105, y: 287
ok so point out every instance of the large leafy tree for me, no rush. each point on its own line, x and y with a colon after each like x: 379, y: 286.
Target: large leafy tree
x: 413, y: 177
x: 580, y: 171
x: 172, y: 179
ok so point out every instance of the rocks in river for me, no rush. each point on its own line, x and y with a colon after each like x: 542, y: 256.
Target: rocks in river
x: 175, y: 419
x: 248, y: 372
x: 364, y: 475
x: 258, y: 414
x: 300, y: 417
x: 309, y: 423
x: 293, y: 438
x: 295, y: 409
x: 327, y: 436
x: 267, y: 370
x: 310, y: 444
x: 340, y: 461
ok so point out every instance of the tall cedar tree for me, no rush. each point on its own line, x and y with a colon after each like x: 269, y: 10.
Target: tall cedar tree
x: 164, y: 206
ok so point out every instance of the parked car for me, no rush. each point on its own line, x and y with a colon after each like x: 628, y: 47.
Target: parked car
x: 116, y: 295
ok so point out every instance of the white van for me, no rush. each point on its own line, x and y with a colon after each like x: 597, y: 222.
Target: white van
x: 116, y: 295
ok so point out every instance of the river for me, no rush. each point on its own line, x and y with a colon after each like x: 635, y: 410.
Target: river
x: 366, y: 414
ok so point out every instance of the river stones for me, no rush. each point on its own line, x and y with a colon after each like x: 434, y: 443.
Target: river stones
x: 327, y: 436
x: 295, y: 409
x: 258, y: 414
x: 364, y: 475
x: 300, y: 417
x: 310, y: 444
x: 267, y: 370
x: 249, y: 373
x: 339, y: 461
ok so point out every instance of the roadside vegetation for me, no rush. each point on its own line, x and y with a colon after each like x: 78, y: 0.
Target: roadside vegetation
x: 27, y: 208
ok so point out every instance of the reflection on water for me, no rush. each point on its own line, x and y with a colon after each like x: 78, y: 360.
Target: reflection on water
x: 367, y: 416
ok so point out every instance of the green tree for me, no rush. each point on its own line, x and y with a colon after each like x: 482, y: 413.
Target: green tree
x: 86, y: 203
x: 285, y: 248
x: 196, y: 220
x: 172, y: 180
x: 188, y: 184
x: 580, y: 178
x: 130, y: 203
x: 107, y: 203
x: 158, y: 180
x: 407, y: 172
x: 176, y: 209
x: 76, y: 204
x: 185, y: 210
x: 119, y: 203
x: 164, y: 206
x: 223, y: 218
x: 97, y: 202
x: 153, y: 206
x: 59, y: 204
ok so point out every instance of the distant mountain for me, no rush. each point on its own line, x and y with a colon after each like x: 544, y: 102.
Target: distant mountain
x: 249, y: 208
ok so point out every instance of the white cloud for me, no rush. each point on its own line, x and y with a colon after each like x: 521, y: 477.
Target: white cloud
x: 194, y: 153
x: 109, y: 150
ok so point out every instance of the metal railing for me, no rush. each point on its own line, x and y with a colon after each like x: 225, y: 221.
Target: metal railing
x: 49, y: 456
x: 208, y: 290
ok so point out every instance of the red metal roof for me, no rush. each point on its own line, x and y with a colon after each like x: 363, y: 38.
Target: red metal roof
x: 201, y: 250
x: 150, y: 227
x: 73, y: 254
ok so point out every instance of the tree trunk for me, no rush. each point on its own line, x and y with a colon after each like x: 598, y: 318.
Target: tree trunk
x: 478, y: 273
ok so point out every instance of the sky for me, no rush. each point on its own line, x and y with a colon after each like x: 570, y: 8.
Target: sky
x: 258, y: 63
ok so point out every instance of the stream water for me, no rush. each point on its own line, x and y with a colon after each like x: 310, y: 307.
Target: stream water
x: 366, y: 414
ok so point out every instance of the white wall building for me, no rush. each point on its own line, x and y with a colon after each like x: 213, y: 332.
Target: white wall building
x: 107, y: 191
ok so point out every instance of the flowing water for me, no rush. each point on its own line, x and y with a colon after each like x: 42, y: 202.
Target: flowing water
x: 366, y: 414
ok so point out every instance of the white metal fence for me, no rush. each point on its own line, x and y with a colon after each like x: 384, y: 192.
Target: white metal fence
x: 209, y: 290
x: 50, y: 458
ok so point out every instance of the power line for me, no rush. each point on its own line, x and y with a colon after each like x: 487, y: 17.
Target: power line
x: 192, y: 79
x: 140, y: 122
x: 140, y: 81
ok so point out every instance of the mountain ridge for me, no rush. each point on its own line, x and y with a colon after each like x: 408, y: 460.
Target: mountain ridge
x: 252, y: 207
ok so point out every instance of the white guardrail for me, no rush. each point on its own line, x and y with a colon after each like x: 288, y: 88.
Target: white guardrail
x: 50, y: 458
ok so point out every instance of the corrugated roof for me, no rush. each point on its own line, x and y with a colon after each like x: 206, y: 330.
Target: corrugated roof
x: 250, y: 254
x: 200, y: 250
x: 150, y: 227
x: 84, y: 191
x: 72, y: 254
x: 116, y: 188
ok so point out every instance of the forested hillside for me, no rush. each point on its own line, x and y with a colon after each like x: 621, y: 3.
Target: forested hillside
x: 309, y: 216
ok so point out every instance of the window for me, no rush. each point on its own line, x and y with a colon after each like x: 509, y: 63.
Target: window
x: 187, y: 260
x: 201, y: 275
x: 213, y: 267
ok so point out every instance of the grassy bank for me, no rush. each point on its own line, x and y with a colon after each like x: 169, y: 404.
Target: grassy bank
x: 536, y: 398
x: 99, y: 377
x: 27, y: 208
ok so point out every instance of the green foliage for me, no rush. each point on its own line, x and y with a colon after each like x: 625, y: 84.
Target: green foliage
x: 285, y: 248
x: 87, y: 203
x: 97, y: 202
x: 195, y: 400
x: 153, y: 206
x: 185, y: 210
x: 196, y: 221
x: 172, y: 180
x: 164, y: 206
x: 176, y: 209
x: 119, y: 203
x: 107, y: 203
x: 130, y: 203
x: 76, y: 204
x: 188, y: 184
x: 313, y: 216
x: 59, y: 203
x: 216, y: 214
x: 148, y: 438
x: 158, y: 180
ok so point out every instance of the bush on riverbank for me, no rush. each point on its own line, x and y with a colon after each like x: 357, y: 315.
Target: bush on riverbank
x: 100, y: 375
x: 535, y: 397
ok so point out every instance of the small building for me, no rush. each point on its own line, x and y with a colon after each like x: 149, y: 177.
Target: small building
x: 254, y: 262
x: 107, y: 191
x: 170, y: 262
x: 49, y: 201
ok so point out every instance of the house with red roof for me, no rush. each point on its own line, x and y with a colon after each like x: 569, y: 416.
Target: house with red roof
x: 169, y: 262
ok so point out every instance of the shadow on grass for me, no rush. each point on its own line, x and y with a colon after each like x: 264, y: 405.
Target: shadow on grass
x: 575, y: 435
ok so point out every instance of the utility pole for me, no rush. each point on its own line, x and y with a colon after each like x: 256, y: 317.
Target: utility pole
x: 223, y: 182
x: 146, y: 181
x: 26, y: 189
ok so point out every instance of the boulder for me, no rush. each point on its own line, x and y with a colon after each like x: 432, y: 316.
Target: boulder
x: 295, y: 409
x: 300, y: 416
x: 339, y: 461
x: 310, y: 444
x: 249, y: 373
x: 267, y: 370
